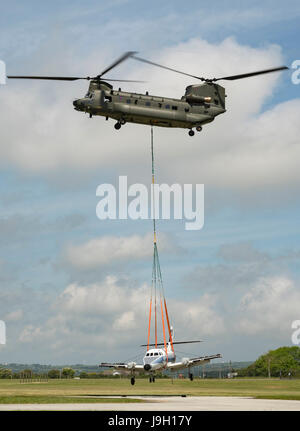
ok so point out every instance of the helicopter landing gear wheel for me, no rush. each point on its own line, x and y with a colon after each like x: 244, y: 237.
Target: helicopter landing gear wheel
x: 198, y: 128
x: 191, y: 132
x: 191, y: 377
x: 150, y: 379
x: 153, y: 379
x: 132, y: 381
x: 118, y: 126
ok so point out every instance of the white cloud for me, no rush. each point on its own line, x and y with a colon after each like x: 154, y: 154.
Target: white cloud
x: 112, y: 315
x: 109, y: 250
x: 269, y: 307
x: 14, y: 316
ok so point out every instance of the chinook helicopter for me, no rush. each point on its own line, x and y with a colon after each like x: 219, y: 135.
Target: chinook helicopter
x: 200, y: 104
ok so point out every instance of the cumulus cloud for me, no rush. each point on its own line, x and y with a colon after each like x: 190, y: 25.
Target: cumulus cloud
x: 269, y: 306
x: 111, y: 315
x: 14, y: 316
x: 109, y: 250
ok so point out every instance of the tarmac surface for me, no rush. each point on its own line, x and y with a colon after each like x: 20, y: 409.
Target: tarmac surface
x: 168, y: 404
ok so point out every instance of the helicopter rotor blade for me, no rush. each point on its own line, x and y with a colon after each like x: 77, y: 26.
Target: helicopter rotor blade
x: 69, y: 78
x: 120, y: 80
x: 228, y: 78
x: 165, y: 67
x: 52, y: 78
x: 248, y: 75
x: 118, y: 61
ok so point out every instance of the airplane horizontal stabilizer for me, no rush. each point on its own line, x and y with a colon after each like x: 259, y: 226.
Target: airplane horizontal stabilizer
x: 174, y: 342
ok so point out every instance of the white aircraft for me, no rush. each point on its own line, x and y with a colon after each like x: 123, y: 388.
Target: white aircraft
x: 160, y: 359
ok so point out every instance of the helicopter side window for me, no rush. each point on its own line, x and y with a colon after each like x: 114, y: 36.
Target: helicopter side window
x: 135, y: 102
x: 128, y: 101
x: 167, y: 106
x: 174, y: 108
x: 159, y: 105
x: 107, y: 98
x: 148, y: 104
x: 186, y: 109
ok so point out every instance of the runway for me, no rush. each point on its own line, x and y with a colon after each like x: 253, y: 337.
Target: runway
x: 168, y: 404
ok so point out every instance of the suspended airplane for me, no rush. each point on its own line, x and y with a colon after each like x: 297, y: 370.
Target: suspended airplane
x: 160, y: 359
x: 200, y: 105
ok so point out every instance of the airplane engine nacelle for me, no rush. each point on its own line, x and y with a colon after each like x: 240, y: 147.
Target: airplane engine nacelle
x: 185, y: 361
x: 131, y: 365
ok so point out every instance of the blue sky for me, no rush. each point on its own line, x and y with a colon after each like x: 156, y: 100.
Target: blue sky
x: 237, y: 279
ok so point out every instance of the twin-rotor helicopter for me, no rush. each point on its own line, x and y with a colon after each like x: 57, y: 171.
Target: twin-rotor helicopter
x: 200, y: 104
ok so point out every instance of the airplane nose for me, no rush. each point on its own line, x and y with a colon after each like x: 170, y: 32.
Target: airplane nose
x: 147, y: 367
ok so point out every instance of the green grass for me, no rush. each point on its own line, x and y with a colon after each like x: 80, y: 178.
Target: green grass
x: 61, y: 390
x: 38, y: 399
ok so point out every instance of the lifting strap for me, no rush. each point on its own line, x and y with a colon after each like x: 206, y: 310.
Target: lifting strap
x: 156, y: 274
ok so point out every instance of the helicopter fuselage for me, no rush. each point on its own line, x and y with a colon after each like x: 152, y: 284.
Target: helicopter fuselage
x: 199, y: 106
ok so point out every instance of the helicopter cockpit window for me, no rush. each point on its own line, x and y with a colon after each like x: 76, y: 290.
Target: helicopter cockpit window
x: 107, y: 98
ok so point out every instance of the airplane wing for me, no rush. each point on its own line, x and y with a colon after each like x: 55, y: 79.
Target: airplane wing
x: 185, y: 363
x: 122, y: 366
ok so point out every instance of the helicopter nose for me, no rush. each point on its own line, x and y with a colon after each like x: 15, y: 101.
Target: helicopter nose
x: 75, y: 103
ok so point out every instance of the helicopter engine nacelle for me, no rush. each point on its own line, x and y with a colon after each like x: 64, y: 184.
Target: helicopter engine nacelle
x: 193, y: 98
x: 205, y: 93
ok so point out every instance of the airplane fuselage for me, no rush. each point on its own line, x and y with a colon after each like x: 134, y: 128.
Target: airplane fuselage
x: 157, y: 359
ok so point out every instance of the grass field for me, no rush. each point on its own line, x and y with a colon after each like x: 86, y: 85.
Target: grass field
x: 12, y: 391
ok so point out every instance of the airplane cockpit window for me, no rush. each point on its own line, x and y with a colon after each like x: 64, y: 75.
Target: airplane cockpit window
x: 155, y: 354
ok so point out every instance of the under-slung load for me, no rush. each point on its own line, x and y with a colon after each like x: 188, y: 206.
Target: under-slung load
x: 161, y: 356
x: 157, y: 282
